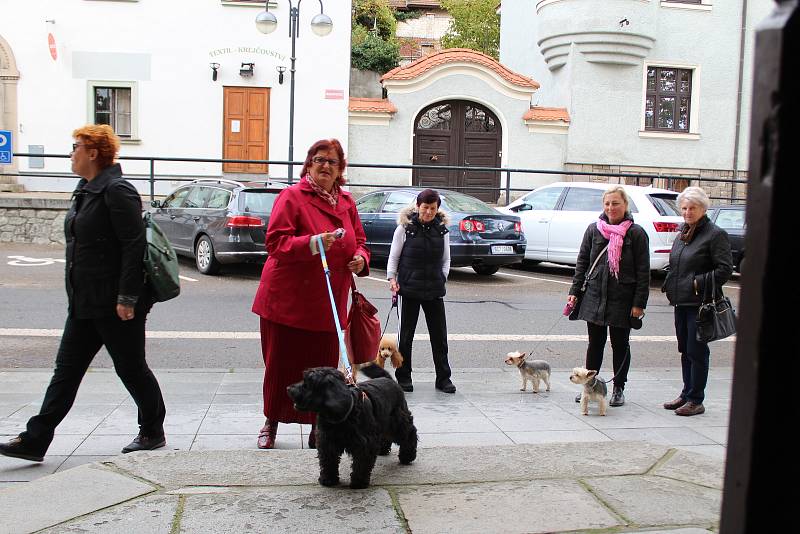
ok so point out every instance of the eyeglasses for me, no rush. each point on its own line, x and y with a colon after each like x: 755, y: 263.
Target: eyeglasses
x: 322, y: 161
x: 76, y: 145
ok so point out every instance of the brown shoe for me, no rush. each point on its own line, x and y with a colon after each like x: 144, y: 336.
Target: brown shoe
x: 674, y: 404
x: 690, y: 408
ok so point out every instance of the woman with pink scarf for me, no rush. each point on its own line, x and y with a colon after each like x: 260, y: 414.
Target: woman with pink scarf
x: 616, y: 289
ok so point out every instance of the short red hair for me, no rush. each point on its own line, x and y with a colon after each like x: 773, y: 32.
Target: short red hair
x: 326, y: 144
x: 102, y: 138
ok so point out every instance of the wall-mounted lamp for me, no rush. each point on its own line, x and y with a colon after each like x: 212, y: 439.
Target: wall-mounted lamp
x: 214, y: 68
x: 281, y: 70
x: 247, y: 69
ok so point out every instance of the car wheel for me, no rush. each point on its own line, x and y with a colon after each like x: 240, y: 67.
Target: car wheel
x: 204, y: 257
x: 486, y: 270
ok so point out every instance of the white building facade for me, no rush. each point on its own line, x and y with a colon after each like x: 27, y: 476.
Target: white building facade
x: 183, y: 79
x: 651, y: 86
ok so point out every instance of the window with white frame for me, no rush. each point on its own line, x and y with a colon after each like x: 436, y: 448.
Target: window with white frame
x: 668, y: 99
x: 114, y: 103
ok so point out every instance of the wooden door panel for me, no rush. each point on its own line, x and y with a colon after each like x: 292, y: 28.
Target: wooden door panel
x: 481, y: 152
x: 246, y: 124
x: 433, y: 149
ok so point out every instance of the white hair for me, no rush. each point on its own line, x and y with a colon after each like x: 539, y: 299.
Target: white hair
x: 696, y: 196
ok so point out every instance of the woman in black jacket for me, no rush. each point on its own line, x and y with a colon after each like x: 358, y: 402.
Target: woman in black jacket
x: 702, y: 247
x: 419, y: 261
x: 108, y: 301
x: 616, y: 289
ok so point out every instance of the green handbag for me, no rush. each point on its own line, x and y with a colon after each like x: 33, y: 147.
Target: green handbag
x: 160, y: 262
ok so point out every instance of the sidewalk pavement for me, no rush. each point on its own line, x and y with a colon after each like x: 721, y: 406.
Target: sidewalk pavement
x: 492, y: 459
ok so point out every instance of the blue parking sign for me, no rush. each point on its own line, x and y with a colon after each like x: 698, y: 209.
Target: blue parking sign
x: 5, y: 147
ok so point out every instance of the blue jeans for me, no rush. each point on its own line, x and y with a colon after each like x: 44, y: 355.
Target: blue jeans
x: 694, y: 354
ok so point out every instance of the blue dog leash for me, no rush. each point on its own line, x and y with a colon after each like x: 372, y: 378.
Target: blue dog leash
x: 342, y: 347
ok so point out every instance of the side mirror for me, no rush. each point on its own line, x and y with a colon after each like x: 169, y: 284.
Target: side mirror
x: 524, y: 207
x: 155, y: 203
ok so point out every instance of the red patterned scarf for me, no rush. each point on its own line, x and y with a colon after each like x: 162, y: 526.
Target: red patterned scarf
x: 331, y: 198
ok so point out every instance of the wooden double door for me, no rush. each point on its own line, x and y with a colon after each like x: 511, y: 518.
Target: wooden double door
x: 458, y: 133
x: 246, y: 128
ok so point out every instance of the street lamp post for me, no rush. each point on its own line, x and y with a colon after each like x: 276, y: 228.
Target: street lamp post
x: 321, y: 25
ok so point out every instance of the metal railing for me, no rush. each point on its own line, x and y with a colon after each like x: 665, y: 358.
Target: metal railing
x: 629, y: 178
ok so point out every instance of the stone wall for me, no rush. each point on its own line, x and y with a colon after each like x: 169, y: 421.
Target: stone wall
x: 32, y: 220
x: 720, y: 192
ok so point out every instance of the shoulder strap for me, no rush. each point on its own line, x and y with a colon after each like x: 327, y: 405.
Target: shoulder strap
x: 596, y: 260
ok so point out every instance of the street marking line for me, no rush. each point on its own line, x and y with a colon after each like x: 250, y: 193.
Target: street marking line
x: 187, y: 278
x: 376, y: 279
x: 536, y: 278
x: 190, y: 334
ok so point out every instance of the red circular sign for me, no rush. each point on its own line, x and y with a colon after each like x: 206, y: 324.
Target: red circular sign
x: 51, y: 42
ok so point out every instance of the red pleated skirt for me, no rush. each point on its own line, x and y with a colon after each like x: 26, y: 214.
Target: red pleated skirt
x: 287, y: 353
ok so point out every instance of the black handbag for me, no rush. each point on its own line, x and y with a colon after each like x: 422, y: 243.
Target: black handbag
x: 573, y: 315
x: 716, y: 318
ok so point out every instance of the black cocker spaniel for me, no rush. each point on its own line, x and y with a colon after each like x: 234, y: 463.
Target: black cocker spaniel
x: 362, y: 421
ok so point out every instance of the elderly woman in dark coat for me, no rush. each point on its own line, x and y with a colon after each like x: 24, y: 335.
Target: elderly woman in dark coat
x: 701, y: 248
x: 617, y: 288
x: 107, y: 297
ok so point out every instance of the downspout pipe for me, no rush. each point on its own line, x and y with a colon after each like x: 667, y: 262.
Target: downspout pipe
x: 737, y: 135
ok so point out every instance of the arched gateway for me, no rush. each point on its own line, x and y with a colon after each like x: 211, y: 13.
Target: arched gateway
x: 458, y: 133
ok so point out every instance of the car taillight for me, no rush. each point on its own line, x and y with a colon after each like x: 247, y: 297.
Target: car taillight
x: 518, y: 227
x: 666, y: 226
x: 468, y: 225
x: 244, y: 221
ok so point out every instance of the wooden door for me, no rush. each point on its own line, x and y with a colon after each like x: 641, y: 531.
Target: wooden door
x: 458, y: 133
x: 246, y: 128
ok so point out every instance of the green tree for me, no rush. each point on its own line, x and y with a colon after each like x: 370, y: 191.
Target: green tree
x: 475, y: 25
x: 372, y: 40
x: 373, y: 53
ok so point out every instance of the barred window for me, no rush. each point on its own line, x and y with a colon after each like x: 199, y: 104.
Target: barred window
x: 668, y: 99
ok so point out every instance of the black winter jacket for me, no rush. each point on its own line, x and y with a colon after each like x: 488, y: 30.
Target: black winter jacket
x: 709, y: 250
x: 419, y: 271
x: 608, y: 300
x: 105, y: 246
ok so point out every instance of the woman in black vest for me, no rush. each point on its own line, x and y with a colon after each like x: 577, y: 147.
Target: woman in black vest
x: 419, y: 262
x: 108, y: 299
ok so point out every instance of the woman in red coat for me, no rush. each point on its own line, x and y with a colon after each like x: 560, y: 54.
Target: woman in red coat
x: 297, y: 326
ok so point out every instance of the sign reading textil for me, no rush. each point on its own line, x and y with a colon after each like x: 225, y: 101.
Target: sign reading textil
x: 5, y: 147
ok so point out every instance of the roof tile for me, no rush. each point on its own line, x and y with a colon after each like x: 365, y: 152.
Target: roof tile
x: 376, y: 105
x: 539, y: 113
x: 457, y: 55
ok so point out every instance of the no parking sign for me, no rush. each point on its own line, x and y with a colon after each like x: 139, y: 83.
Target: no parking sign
x: 5, y: 147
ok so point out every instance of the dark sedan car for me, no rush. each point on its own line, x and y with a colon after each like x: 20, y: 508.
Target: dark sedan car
x: 480, y: 236
x: 730, y: 217
x: 217, y: 221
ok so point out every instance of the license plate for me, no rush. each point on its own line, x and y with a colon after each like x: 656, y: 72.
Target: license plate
x: 502, y: 249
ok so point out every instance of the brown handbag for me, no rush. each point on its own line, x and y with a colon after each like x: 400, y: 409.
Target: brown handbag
x: 363, y: 333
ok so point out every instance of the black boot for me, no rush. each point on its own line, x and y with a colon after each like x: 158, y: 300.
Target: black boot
x: 617, y: 397
x: 145, y: 443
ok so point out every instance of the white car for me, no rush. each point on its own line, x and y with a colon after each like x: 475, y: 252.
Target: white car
x: 555, y: 216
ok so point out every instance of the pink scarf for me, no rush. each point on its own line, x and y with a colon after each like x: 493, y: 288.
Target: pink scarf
x: 331, y: 198
x: 615, y: 233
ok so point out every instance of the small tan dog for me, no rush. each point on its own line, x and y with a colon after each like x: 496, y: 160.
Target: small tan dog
x: 534, y: 370
x: 387, y: 350
x: 593, y: 389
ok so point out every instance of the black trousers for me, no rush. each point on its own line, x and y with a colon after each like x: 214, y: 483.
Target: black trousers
x: 695, y: 355
x: 437, y: 329
x: 620, y: 347
x: 81, y: 341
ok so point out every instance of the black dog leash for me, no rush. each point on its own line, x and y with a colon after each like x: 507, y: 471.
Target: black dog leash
x: 394, y: 307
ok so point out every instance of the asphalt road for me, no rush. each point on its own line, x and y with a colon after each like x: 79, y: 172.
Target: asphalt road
x: 210, y: 324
